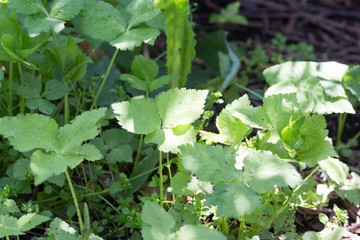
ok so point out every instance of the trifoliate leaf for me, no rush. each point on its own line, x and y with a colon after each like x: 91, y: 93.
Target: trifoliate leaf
x: 317, y: 85
x: 169, y: 140
x: 90, y: 152
x: 138, y: 116
x: 210, y: 163
x: 157, y: 222
x: 144, y: 68
x: 263, y: 170
x: 46, y: 165
x: 141, y: 11
x: 27, y: 132
x: 65, y: 9
x: 29, y: 6
x: 233, y: 200
x: 195, y: 232
x: 134, y: 37
x: 100, y: 20
x: 180, y: 106
x: 55, y: 90
x: 38, y: 24
x: 61, y: 230
x: 122, y: 153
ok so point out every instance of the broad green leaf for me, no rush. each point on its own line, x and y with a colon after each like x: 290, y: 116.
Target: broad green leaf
x: 9, y: 24
x: 9, y: 206
x: 351, y: 81
x: 43, y: 105
x: 233, y: 200
x: 90, y: 152
x: 31, y: 220
x: 134, y: 81
x: 54, y: 90
x: 61, y: 230
x: 185, y: 184
x: 29, y: 6
x: 134, y: 37
x: 180, y: 106
x: 46, y: 165
x: 169, y: 140
x: 317, y: 85
x: 30, y: 131
x: 210, y: 163
x: 20, y: 168
x: 83, y: 127
x: 157, y: 222
x: 180, y: 39
x: 351, y: 189
x: 115, y: 137
x: 31, y: 88
x: 100, y: 20
x: 138, y: 116
x: 141, y: 11
x: 123, y: 153
x: 195, y: 232
x: 160, y: 82
x: 11, y: 227
x: 144, y: 68
x: 263, y: 170
x: 335, y: 169
x: 38, y: 24
x: 65, y: 9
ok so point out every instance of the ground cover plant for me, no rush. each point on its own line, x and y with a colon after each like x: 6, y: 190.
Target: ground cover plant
x: 101, y: 141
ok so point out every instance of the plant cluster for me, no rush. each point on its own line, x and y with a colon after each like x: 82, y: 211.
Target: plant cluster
x: 81, y: 135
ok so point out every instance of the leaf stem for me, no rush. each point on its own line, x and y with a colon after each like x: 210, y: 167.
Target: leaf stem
x: 138, y: 151
x: 342, y: 118
x: 10, y: 88
x: 241, y: 228
x: 161, y: 186
x: 22, y: 99
x: 249, y: 90
x: 104, y: 79
x: 76, y: 203
x: 66, y: 109
x: 4, y: 227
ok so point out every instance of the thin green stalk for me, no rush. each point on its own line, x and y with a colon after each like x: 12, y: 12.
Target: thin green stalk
x: 96, y: 193
x: 76, y: 203
x: 109, y: 203
x: 356, y: 136
x: 161, y: 186
x: 11, y: 79
x: 249, y: 90
x: 342, y: 118
x: 22, y: 99
x: 168, y: 166
x: 66, y: 109
x: 55, y: 39
x: 138, y: 151
x: 104, y: 79
x: 288, y: 201
x: 241, y: 229
x: 85, y: 177
x: 4, y: 227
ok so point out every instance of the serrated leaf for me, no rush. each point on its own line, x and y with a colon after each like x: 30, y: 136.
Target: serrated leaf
x: 335, y: 169
x: 138, y: 116
x: 157, y: 222
x: 115, y: 137
x: 180, y: 106
x: 43, y: 105
x: 317, y: 85
x: 26, y: 132
x: 210, y: 163
x: 38, y: 24
x: 90, y: 152
x: 123, y: 153
x: 54, y: 90
x: 83, y: 127
x: 229, y: 14
x: 195, y: 232
x: 31, y: 87
x: 29, y: 6
x: 141, y: 11
x: 11, y: 227
x: 134, y: 81
x: 100, y: 20
x: 61, y: 230
x: 160, y: 82
x: 181, y: 48
x: 233, y: 200
x: 65, y: 9
x: 169, y: 140
x: 20, y: 168
x: 144, y: 68
x: 9, y: 206
x: 263, y: 170
x: 46, y: 165
x: 135, y: 37
x: 31, y: 220
x: 351, y: 81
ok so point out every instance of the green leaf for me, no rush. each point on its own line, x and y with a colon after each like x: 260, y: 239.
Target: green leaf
x: 31, y: 220
x: 180, y: 106
x: 160, y: 82
x: 83, y: 127
x: 55, y: 90
x: 157, y: 222
x: 90, y: 152
x: 123, y: 153
x: 138, y: 116
x: 351, y: 189
x: 141, y: 11
x: 9, y: 24
x: 180, y: 39
x: 29, y: 6
x: 38, y: 24
x: 195, y: 232
x: 134, y: 37
x: 20, y: 168
x: 210, y: 163
x: 46, y: 165
x: 65, y: 9
x: 335, y: 169
x: 144, y: 68
x: 31, y: 88
x: 27, y: 132
x: 11, y: 227
x: 233, y: 200
x: 351, y: 81
x: 43, y: 105
x: 229, y: 14
x: 169, y: 140
x: 61, y: 230
x: 317, y: 85
x: 100, y: 20
x: 115, y: 137
x: 263, y: 170
x: 134, y: 81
